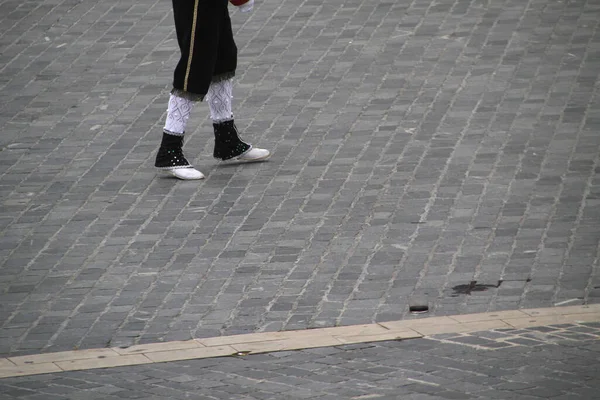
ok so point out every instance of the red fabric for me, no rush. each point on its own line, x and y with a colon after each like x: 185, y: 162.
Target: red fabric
x: 238, y: 3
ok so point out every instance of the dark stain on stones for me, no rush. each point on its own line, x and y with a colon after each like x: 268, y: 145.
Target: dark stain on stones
x: 473, y: 286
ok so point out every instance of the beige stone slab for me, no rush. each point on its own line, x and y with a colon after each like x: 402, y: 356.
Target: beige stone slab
x: 108, y: 362
x: 418, y: 323
x: 283, y: 335
x: 488, y: 316
x: 576, y: 318
x: 247, y: 338
x: 355, y: 330
x: 292, y: 340
x: 63, y: 356
x: 156, y: 347
x: 327, y: 335
x: 262, y: 347
x: 530, y: 322
x: 484, y: 325
x: 4, y: 363
x: 191, y: 354
x: 435, y: 330
x: 391, y: 335
x: 286, y: 344
x: 592, y: 307
x: 322, y: 341
x: 24, y: 370
x: 581, y: 318
x: 462, y: 328
x: 310, y: 334
x: 542, y: 312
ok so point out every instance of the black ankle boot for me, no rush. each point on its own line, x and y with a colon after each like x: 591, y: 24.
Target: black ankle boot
x: 227, y: 141
x: 170, y: 154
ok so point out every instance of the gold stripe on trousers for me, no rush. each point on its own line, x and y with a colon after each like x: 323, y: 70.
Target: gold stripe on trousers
x: 191, y: 53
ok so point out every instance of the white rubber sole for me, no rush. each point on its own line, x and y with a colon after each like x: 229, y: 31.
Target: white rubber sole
x: 186, y: 174
x: 254, y: 155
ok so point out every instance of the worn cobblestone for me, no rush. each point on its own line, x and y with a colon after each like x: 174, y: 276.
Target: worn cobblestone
x: 444, y: 150
x: 440, y: 367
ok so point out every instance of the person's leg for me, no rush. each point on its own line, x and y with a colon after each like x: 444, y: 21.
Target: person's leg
x: 228, y: 144
x: 170, y: 156
x: 198, y: 26
x: 207, y: 64
x: 219, y: 99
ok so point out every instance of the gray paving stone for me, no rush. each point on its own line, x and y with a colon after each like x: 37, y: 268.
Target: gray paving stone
x: 418, y: 147
x: 372, y: 370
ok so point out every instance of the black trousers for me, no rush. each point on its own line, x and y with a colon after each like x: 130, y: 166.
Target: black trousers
x: 208, y: 50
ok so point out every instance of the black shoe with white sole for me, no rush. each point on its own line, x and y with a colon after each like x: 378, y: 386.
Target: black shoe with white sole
x: 228, y: 145
x: 170, y: 158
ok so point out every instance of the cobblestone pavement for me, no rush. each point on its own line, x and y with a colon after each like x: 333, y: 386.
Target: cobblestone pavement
x: 557, y: 362
x: 442, y: 151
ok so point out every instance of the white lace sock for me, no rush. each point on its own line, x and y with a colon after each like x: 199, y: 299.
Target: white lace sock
x: 219, y: 97
x: 178, y: 114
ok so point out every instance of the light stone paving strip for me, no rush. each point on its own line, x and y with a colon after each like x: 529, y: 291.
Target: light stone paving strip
x: 444, y: 151
x: 237, y: 345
